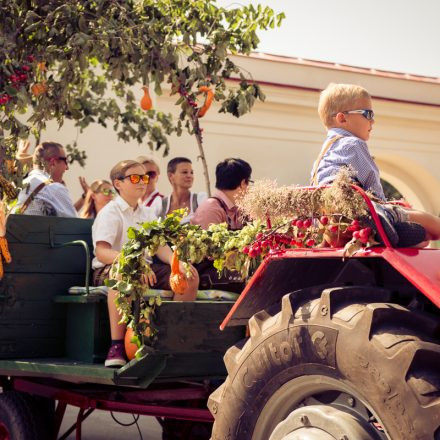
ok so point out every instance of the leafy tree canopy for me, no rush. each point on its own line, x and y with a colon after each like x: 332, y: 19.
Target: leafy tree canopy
x: 79, y: 60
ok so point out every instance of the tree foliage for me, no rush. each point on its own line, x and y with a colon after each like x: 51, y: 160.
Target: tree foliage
x: 85, y: 60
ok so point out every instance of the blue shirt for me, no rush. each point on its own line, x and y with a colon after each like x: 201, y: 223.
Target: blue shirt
x: 352, y: 152
x: 54, y: 199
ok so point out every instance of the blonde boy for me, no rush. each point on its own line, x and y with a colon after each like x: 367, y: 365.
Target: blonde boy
x: 109, y: 233
x: 347, y: 113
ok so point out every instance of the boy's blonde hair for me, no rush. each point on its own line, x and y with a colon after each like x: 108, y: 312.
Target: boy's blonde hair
x: 118, y: 171
x: 337, y: 98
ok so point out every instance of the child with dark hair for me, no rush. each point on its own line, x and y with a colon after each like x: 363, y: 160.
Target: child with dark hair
x: 233, y: 177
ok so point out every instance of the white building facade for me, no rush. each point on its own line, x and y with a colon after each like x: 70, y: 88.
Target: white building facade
x: 281, y: 137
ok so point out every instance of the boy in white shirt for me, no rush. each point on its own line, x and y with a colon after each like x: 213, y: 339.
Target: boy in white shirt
x: 109, y: 233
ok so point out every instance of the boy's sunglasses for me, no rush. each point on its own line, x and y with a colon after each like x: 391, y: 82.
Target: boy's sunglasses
x: 108, y: 192
x: 136, y: 178
x: 367, y: 114
x: 151, y: 174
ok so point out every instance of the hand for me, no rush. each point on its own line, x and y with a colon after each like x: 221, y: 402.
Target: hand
x: 85, y: 186
x: 149, y: 278
x: 23, y: 147
x: 192, y: 270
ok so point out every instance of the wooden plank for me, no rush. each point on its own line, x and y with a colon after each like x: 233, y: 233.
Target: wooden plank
x: 58, y: 368
x: 41, y: 258
x: 186, y: 327
x: 35, y: 229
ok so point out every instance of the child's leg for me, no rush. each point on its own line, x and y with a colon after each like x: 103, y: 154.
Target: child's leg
x: 430, y: 222
x: 117, y: 330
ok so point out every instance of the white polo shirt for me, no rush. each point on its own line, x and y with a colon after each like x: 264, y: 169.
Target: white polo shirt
x: 112, y: 222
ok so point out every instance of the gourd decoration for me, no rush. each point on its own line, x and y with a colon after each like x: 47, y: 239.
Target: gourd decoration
x: 209, y: 97
x: 130, y: 347
x: 178, y: 281
x: 4, y: 249
x: 146, y: 102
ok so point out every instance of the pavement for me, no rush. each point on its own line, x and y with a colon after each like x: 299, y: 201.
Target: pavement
x: 100, y: 426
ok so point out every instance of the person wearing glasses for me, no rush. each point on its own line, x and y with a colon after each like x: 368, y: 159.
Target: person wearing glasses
x: 152, y: 197
x: 233, y: 177
x: 346, y: 112
x: 98, y: 195
x: 43, y: 193
x: 109, y: 234
x: 181, y: 176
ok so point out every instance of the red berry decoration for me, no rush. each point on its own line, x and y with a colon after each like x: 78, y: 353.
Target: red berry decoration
x: 323, y: 220
x: 299, y: 224
x: 333, y: 228
x: 310, y: 242
x: 356, y: 235
x: 245, y: 250
x: 25, y: 68
x: 31, y: 58
x: 307, y: 223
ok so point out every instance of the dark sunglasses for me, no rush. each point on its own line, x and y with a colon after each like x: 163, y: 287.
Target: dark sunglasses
x: 151, y: 174
x: 63, y: 158
x: 249, y: 181
x: 136, y: 178
x: 367, y: 114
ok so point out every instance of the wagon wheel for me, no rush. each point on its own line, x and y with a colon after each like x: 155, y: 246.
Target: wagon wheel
x: 16, y: 419
x: 338, y: 363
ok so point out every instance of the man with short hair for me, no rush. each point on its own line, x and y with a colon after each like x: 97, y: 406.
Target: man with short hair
x: 43, y: 193
x: 181, y: 176
x: 232, y: 179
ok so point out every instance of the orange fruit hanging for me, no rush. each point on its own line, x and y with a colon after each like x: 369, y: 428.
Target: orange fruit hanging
x: 178, y: 281
x: 209, y: 97
x: 39, y: 88
x: 146, y: 102
x: 41, y: 66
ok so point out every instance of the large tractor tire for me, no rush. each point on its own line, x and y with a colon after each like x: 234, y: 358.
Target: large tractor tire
x: 335, y: 363
x: 16, y: 418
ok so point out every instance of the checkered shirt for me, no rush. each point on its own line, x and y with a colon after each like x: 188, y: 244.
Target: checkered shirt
x: 352, y: 152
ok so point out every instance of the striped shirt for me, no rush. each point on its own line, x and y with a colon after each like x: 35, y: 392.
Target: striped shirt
x: 352, y: 152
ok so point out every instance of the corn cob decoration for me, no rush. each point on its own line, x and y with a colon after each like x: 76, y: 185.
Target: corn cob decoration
x: 7, y: 189
x: 4, y: 248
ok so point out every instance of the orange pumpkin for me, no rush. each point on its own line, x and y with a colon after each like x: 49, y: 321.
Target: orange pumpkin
x: 146, y: 102
x: 130, y: 347
x: 39, y: 88
x: 209, y: 97
x: 178, y: 281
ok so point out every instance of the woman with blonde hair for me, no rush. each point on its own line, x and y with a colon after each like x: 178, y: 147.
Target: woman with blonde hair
x: 152, y: 197
x: 99, y: 194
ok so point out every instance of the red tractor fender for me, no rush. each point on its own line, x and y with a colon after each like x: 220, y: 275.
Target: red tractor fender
x: 295, y: 269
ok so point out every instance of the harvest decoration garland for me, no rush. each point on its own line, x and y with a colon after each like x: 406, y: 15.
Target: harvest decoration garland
x: 299, y: 218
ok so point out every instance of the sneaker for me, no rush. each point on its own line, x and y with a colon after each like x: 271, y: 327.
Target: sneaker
x: 410, y: 234
x: 116, y: 356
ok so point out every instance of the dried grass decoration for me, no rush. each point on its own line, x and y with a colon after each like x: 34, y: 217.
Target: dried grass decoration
x: 308, y: 217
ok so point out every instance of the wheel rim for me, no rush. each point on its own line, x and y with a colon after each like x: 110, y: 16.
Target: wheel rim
x: 4, y: 432
x: 305, y: 391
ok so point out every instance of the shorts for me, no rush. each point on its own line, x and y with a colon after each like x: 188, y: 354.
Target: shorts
x: 161, y: 270
x: 395, y: 213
